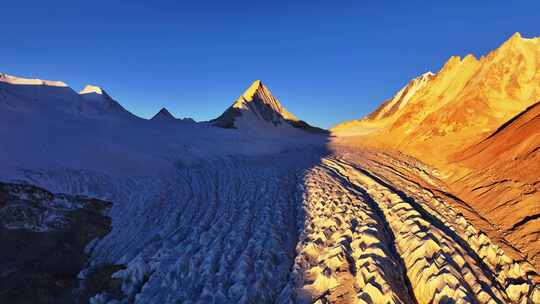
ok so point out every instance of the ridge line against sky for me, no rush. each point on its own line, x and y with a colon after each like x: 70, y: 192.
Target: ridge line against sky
x: 325, y: 63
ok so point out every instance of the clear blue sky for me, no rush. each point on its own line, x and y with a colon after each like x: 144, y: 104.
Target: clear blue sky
x: 326, y: 61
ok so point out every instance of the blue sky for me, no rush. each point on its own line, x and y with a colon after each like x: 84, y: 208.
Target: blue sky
x: 327, y: 61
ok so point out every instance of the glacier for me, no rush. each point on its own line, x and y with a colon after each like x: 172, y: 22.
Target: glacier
x: 271, y: 214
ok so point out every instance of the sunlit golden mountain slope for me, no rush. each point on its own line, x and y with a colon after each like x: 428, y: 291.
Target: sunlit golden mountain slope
x: 501, y: 174
x: 462, y: 103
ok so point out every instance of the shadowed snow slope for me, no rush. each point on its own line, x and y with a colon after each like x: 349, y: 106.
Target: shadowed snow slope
x: 38, y: 95
x: 103, y: 103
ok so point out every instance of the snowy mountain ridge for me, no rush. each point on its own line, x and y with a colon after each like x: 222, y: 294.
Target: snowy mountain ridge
x: 256, y: 109
x: 91, y: 130
x: 29, y: 81
x: 465, y: 100
x: 104, y: 104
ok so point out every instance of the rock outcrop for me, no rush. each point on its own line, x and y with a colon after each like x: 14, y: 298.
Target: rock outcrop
x: 501, y: 175
x: 43, y: 236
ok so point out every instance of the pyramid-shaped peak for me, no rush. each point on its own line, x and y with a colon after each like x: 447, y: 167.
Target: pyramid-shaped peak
x: 258, y: 98
x: 163, y: 114
x: 257, y: 83
x: 257, y: 107
x: 255, y: 87
x: 164, y: 111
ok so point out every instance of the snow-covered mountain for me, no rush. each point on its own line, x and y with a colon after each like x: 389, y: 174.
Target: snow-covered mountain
x: 163, y: 115
x: 102, y: 103
x: 82, y: 144
x: 466, y: 100
x: 25, y: 94
x: 256, y: 109
x: 247, y: 208
x: 36, y: 95
x: 49, y: 125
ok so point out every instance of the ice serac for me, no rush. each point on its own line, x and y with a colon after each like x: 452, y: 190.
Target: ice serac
x: 258, y: 107
x: 163, y: 115
x: 100, y: 102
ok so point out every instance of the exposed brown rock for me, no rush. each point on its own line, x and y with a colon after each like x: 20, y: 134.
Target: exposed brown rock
x: 500, y: 174
x: 42, y: 255
x: 99, y: 280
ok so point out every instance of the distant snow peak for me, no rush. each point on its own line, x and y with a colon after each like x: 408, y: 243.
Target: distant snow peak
x: 101, y: 102
x: 259, y: 100
x: 88, y: 89
x: 29, y: 81
x: 163, y: 115
x: 95, y: 94
x: 257, y: 108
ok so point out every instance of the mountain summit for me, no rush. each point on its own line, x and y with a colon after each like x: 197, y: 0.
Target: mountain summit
x: 89, y: 89
x: 257, y: 106
x: 101, y: 102
x: 163, y: 115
